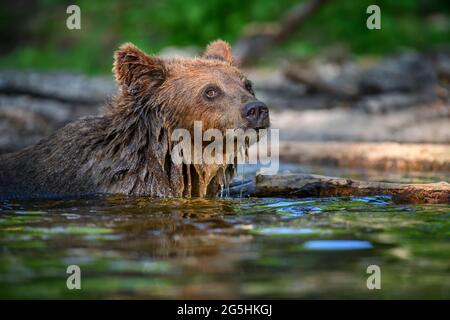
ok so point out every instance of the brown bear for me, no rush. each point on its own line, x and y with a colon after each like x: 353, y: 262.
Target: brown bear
x: 127, y: 149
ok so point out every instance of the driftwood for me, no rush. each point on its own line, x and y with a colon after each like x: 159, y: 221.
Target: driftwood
x: 60, y: 86
x: 422, y: 124
x: 308, y: 185
x: 35, y: 104
x: 380, y: 156
x: 253, y: 45
x: 337, y: 90
x: 381, y: 88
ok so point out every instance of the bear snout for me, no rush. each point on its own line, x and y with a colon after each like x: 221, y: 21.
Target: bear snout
x: 257, y: 115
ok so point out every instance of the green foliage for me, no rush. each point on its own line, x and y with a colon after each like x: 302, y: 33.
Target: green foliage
x: 38, y: 38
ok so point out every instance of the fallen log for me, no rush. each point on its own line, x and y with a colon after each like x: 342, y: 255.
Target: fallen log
x: 309, y: 185
x: 60, y: 86
x: 335, y: 89
x: 380, y: 156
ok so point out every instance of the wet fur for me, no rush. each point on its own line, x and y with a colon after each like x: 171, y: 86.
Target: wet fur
x: 126, y: 150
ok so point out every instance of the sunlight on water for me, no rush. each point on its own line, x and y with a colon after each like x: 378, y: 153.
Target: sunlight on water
x: 285, y: 231
x: 337, y: 245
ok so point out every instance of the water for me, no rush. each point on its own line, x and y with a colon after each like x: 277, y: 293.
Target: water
x: 224, y: 248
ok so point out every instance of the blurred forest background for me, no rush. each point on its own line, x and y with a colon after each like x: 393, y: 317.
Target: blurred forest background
x: 34, y: 35
x: 340, y: 94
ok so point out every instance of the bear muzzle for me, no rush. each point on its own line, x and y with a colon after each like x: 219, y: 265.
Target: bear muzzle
x: 257, y: 115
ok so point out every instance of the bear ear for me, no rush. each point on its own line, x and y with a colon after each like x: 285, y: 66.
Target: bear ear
x: 136, y: 71
x: 220, y: 50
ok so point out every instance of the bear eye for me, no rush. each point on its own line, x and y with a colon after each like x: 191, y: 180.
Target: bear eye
x: 211, y: 92
x: 249, y: 86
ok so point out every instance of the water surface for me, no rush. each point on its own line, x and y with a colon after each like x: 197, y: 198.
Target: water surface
x: 224, y: 248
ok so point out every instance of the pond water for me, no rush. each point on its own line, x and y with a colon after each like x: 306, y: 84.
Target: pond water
x: 224, y: 248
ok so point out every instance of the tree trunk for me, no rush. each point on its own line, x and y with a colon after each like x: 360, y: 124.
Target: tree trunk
x: 253, y: 45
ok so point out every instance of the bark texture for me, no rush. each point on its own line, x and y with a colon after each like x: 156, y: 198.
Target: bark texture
x: 309, y: 185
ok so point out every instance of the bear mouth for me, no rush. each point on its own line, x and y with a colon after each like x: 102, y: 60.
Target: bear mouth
x: 258, y: 129
x: 262, y: 124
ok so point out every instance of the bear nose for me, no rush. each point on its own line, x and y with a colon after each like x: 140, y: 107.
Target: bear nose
x: 256, y: 113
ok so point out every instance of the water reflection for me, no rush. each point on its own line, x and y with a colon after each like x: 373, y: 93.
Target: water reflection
x: 337, y: 245
x: 225, y: 248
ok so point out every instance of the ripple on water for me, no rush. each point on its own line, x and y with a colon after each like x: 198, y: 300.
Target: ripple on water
x: 280, y: 204
x: 382, y: 200
x: 280, y: 231
x: 293, y: 208
x: 298, y: 211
